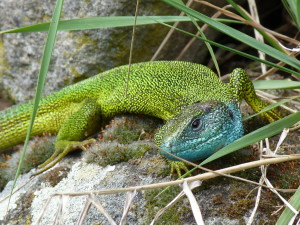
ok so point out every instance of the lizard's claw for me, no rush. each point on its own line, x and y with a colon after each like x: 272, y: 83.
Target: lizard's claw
x: 60, y: 152
x: 178, y: 166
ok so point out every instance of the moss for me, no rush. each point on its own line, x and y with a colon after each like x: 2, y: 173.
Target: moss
x: 54, y: 176
x: 156, y: 201
x: 240, y: 203
x: 237, y: 201
x: 159, y: 166
x: 83, y: 40
x: 21, y: 214
x: 239, y: 208
x: 130, y: 128
x: 38, y: 152
x: 113, y: 153
x: 41, y: 150
x: 3, y: 180
x: 218, y: 199
x: 268, y: 205
x: 285, y: 175
x: 76, y: 76
x: 123, y: 139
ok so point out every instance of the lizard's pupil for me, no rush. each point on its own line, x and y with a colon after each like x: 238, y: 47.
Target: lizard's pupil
x: 196, y: 124
x: 231, y: 115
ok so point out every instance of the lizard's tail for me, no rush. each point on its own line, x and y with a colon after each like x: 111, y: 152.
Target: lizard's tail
x: 53, y: 110
x: 14, y: 123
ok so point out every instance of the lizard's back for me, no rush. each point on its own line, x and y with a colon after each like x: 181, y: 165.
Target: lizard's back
x: 159, y: 89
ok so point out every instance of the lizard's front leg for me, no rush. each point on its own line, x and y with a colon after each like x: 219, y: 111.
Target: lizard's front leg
x: 81, y: 124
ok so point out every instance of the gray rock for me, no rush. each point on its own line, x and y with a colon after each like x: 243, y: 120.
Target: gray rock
x: 82, y: 177
x: 81, y: 54
x: 102, y: 167
x: 219, y: 203
x: 77, y: 54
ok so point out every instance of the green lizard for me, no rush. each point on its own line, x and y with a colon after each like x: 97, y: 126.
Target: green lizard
x: 202, y: 113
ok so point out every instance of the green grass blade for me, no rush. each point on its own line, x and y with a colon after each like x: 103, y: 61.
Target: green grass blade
x: 42, y: 75
x: 100, y: 22
x: 269, y: 107
x: 287, y: 214
x: 276, y: 84
x: 210, y: 50
x: 262, y: 32
x: 238, y: 35
x: 207, y: 44
x: 293, y: 8
x: 297, y: 12
x: 255, y: 136
x: 252, y: 57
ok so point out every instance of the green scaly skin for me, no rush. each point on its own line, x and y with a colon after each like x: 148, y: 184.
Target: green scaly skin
x: 161, y: 89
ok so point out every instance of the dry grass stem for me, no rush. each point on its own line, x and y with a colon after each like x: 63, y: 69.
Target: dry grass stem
x: 131, y: 45
x: 204, y: 176
x: 251, y: 23
x: 127, y: 205
x: 169, y: 34
x: 101, y: 209
x: 43, y: 211
x: 273, y: 70
x: 84, y: 211
x: 258, y: 36
x: 187, y: 189
x: 191, y: 41
x: 189, y: 186
x: 269, y: 97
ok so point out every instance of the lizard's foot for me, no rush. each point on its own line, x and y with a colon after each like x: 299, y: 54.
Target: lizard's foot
x: 62, y: 149
x: 271, y: 116
x: 178, y: 166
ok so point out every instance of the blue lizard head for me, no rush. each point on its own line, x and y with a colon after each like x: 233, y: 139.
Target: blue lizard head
x: 200, y: 130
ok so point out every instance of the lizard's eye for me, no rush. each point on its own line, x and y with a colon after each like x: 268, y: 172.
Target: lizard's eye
x: 196, y: 124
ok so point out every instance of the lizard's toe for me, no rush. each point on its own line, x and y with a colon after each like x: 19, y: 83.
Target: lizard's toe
x: 178, y: 166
